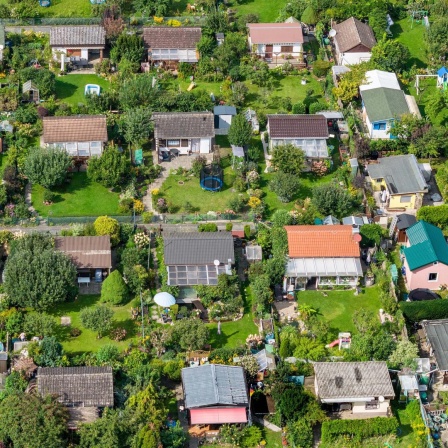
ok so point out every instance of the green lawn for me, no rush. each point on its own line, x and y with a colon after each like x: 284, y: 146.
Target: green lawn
x: 234, y: 334
x: 70, y: 88
x: 88, y: 341
x: 260, y: 98
x: 413, y: 38
x: 80, y: 197
x: 267, y: 10
x: 337, y: 307
x: 67, y: 8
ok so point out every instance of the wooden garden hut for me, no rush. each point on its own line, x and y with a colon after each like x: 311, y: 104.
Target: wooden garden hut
x: 30, y: 92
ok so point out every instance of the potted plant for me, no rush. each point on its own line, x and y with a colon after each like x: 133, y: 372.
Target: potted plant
x: 370, y: 278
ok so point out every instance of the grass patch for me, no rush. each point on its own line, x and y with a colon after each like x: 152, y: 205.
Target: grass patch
x: 234, y: 334
x: 87, y: 341
x: 413, y: 38
x: 267, y: 10
x: 80, y: 197
x: 337, y: 307
x: 260, y: 98
x: 70, y: 88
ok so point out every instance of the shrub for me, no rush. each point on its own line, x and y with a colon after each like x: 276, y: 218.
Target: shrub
x: 114, y: 290
x: 239, y: 184
x: 209, y: 227
x: 432, y: 309
x: 75, y: 332
x: 320, y: 68
x: 357, y: 430
x: 104, y: 225
x: 118, y: 334
x: 147, y: 217
x: 317, y: 107
x: 229, y: 227
x: 198, y: 163
x: 299, y: 108
x: 236, y: 203
x: 254, y: 202
x: 139, y: 207
x: 48, y: 196
x: 247, y: 231
x: 284, y: 185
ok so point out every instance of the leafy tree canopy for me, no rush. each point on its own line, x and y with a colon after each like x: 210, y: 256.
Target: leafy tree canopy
x: 114, y: 290
x: 47, y: 167
x: 98, y: 319
x: 371, y: 235
x: 240, y: 131
x: 284, y: 185
x: 404, y: 354
x: 332, y: 199
x: 190, y: 334
x: 390, y: 55
x: 104, y: 225
x: 110, y: 169
x: 128, y: 46
x: 289, y: 159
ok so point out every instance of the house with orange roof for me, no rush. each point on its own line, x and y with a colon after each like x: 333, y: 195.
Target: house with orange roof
x: 322, y: 257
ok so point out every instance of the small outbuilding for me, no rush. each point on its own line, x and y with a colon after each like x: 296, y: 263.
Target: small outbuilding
x: 254, y: 253
x: 223, y: 118
x: 3, y: 362
x: 30, y: 92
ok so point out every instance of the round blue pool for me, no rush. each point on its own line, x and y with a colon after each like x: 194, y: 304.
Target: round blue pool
x: 211, y: 183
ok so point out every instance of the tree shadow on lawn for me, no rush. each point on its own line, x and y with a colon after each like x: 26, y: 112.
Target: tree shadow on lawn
x: 219, y: 340
x: 64, y: 89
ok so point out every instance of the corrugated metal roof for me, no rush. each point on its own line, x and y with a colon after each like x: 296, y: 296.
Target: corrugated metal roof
x: 401, y: 174
x: 427, y: 245
x: 353, y: 380
x: 224, y: 110
x: 194, y: 248
x: 437, y: 335
x: 86, y: 251
x: 214, y: 384
x: 79, y: 386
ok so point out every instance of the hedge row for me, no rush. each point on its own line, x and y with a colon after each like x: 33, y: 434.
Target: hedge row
x: 431, y: 309
x: 357, y: 430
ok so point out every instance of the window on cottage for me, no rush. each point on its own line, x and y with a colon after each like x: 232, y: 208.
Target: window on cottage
x: 432, y: 277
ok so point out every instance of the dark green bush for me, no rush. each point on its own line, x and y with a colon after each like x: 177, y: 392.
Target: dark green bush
x: 209, y: 227
x: 229, y: 227
x: 299, y: 108
x: 247, y: 231
x: 320, y: 68
x: 357, y: 430
x: 432, y: 309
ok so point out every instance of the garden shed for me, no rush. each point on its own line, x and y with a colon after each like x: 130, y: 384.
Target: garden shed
x: 30, y: 92
x: 223, y: 118
x: 254, y: 253
x: 3, y: 362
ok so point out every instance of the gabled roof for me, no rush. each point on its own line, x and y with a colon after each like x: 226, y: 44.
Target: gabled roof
x: 378, y: 78
x: 224, y: 110
x: 198, y: 248
x: 77, y: 386
x: 405, y: 220
x: 442, y: 71
x: 437, y: 336
x: 321, y: 241
x: 275, y: 33
x: 401, y: 174
x: 78, y: 36
x: 427, y: 245
x: 86, y: 251
x: 183, y: 124
x: 351, y: 33
x: 75, y: 128
x: 384, y: 104
x: 214, y: 385
x: 161, y: 37
x: 369, y: 379
x: 29, y: 85
x: 297, y: 126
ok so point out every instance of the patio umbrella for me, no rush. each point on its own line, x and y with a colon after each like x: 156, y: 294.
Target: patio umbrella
x: 164, y: 299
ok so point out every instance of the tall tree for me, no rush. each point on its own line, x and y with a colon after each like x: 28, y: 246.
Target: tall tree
x: 28, y: 420
x: 190, y: 334
x: 240, y: 131
x: 47, y: 167
x: 128, y: 46
x: 390, y: 55
x: 36, y: 275
x: 288, y: 158
x: 136, y: 125
x: 331, y: 199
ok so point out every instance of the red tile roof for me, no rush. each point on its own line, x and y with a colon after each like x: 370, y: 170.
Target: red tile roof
x: 275, y: 33
x: 321, y: 241
x: 297, y: 126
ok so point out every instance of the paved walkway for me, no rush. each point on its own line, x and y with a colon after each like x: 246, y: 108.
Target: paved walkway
x: 267, y: 157
x: 267, y: 424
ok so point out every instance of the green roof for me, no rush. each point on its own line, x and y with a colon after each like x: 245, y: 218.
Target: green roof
x: 427, y: 245
x: 384, y: 104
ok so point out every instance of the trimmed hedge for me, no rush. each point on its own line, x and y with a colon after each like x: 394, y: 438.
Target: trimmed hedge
x: 357, y: 430
x: 431, y: 309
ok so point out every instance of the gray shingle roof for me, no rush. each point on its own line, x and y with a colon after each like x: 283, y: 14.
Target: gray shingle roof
x: 297, y: 126
x: 183, y: 124
x: 437, y: 335
x: 79, y: 386
x: 401, y: 174
x: 353, y: 380
x: 79, y: 36
x: 224, y: 110
x: 182, y: 38
x: 351, y: 33
x: 405, y: 221
x: 194, y: 248
x: 214, y: 384
x: 384, y: 104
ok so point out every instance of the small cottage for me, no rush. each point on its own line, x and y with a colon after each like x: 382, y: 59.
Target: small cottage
x: 363, y: 389
x: 353, y: 41
x: 425, y: 257
x: 81, y: 136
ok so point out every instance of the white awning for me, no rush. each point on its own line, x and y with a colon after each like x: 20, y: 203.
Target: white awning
x: 319, y: 267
